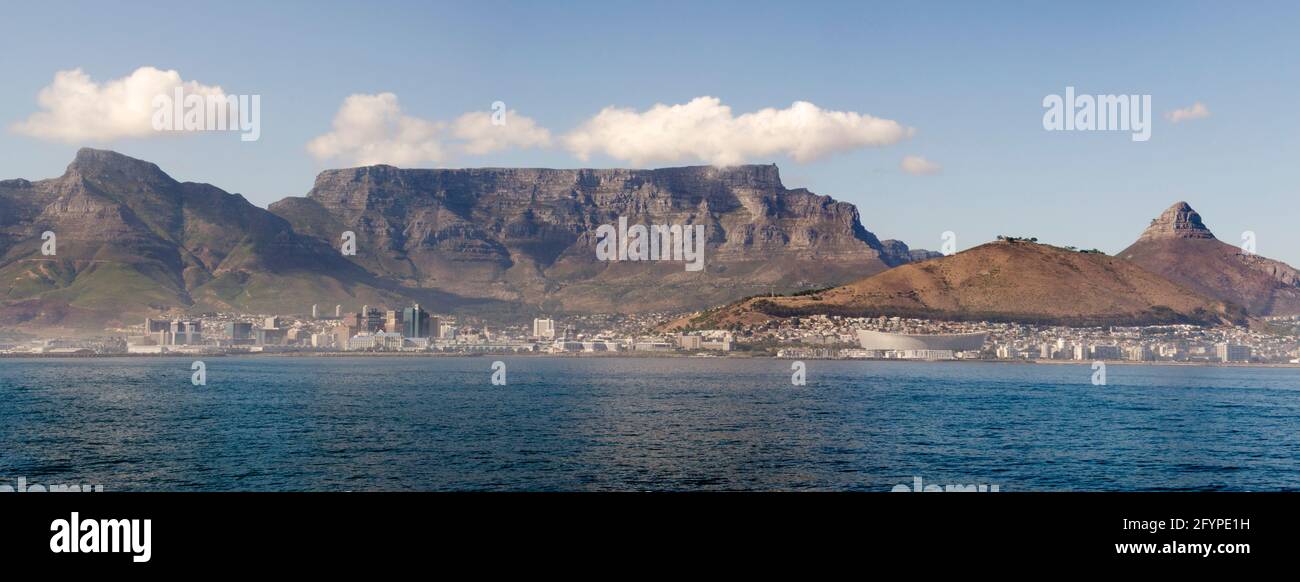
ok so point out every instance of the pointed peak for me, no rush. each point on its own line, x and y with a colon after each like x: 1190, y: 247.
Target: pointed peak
x: 1178, y: 221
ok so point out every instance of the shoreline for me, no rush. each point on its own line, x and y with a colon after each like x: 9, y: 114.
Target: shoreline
x: 632, y: 355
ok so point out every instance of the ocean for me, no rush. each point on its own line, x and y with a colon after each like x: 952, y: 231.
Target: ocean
x: 642, y: 424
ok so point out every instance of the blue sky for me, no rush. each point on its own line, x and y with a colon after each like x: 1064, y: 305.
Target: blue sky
x: 968, y: 77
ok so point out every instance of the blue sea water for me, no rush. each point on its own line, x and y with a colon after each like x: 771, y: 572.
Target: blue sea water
x: 415, y: 423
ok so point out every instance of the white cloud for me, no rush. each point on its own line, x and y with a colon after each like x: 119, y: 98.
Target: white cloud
x: 75, y: 108
x: 919, y: 166
x: 371, y: 129
x: 481, y: 136
x: 1198, y: 110
x: 705, y: 130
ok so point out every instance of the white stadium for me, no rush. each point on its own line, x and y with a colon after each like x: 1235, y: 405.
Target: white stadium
x: 955, y: 342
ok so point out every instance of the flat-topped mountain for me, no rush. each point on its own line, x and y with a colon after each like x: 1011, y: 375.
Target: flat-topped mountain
x: 1000, y: 281
x: 132, y: 241
x: 529, y: 235
x: 1178, y: 245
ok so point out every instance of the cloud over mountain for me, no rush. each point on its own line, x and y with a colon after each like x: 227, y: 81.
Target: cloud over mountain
x: 75, y: 108
x: 372, y: 129
x: 706, y: 130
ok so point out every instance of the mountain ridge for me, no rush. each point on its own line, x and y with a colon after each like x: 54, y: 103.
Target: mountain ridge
x: 133, y: 241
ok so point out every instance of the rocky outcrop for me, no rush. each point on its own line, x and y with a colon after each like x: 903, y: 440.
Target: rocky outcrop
x: 896, y: 252
x: 1177, y: 222
x: 1179, y: 246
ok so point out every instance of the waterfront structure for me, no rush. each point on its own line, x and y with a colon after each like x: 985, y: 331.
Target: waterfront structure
x: 1106, y: 352
x: 1233, y: 353
x: 239, y: 331
x: 956, y: 342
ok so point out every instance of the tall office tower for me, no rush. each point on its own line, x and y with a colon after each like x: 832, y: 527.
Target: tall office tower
x: 544, y: 328
x: 338, y: 311
x: 372, y: 318
x: 393, y: 321
x: 315, y: 312
x: 416, y: 322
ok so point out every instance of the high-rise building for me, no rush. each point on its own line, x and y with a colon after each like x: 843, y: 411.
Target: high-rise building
x: 338, y: 311
x: 393, y: 321
x: 352, y: 320
x: 315, y: 312
x: 1233, y: 353
x: 239, y: 330
x: 544, y: 328
x: 272, y: 323
x: 373, y: 318
x: 271, y: 336
x: 186, y: 332
x: 342, y: 334
x: 416, y: 322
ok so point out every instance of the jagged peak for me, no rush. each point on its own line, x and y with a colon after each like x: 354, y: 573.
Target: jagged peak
x: 1178, y: 221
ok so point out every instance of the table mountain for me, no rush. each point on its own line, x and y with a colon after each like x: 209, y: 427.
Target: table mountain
x: 528, y: 236
x: 1178, y: 245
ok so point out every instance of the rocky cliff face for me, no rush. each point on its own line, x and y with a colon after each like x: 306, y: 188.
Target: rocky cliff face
x: 529, y: 235
x: 132, y: 242
x: 1179, y: 246
x: 1177, y: 222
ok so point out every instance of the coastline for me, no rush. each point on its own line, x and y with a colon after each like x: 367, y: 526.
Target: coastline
x: 634, y: 355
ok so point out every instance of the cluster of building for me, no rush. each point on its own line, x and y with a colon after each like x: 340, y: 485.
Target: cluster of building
x: 413, y: 329
x: 901, y: 338
x: 375, y: 329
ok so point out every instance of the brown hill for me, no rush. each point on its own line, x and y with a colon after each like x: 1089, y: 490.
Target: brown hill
x: 1000, y: 281
x: 1178, y: 246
